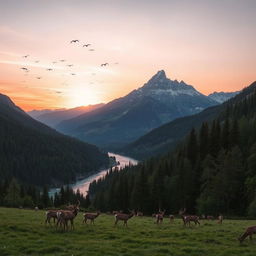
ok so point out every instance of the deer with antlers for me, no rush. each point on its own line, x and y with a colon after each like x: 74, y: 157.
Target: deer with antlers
x: 64, y: 216
x: 123, y: 217
x: 90, y: 216
x: 248, y: 232
x: 188, y: 218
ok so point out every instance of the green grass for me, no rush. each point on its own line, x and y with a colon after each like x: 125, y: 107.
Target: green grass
x: 22, y: 232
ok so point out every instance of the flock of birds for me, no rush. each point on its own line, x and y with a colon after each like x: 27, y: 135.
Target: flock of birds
x: 74, y: 41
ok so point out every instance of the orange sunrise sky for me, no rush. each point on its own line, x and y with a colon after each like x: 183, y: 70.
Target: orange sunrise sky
x: 209, y: 44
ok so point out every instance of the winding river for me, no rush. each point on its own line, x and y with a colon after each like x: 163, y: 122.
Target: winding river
x: 83, y: 184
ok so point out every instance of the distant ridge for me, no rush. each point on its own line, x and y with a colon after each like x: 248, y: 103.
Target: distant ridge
x: 54, y: 117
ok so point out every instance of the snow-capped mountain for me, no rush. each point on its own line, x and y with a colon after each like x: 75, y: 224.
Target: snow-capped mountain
x: 221, y: 97
x: 123, y: 120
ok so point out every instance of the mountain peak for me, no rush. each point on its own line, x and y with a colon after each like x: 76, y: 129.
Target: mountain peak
x: 158, y: 77
x: 6, y: 100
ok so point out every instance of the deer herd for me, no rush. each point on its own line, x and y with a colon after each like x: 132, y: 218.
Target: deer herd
x: 61, y: 218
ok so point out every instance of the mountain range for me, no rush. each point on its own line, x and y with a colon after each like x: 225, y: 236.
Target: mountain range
x: 167, y: 136
x: 124, y: 120
x: 213, y: 166
x: 35, y: 154
x: 221, y: 97
x: 54, y: 117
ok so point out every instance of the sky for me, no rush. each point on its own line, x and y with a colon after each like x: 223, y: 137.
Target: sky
x: 209, y: 44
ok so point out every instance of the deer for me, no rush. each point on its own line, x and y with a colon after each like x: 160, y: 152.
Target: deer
x: 90, y: 216
x: 64, y: 216
x: 70, y: 207
x: 159, y: 216
x: 248, y: 232
x: 139, y: 214
x: 123, y: 217
x: 209, y: 217
x: 116, y: 212
x: 171, y: 217
x: 220, y: 219
x: 51, y: 214
x: 188, y: 218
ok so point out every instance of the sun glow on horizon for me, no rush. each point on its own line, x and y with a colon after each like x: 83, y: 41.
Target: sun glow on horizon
x: 136, y: 39
x: 81, y: 96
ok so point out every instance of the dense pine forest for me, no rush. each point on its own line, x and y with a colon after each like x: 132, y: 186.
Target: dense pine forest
x: 212, y: 171
x: 36, y: 154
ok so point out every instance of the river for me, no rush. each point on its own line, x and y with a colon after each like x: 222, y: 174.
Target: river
x: 83, y: 184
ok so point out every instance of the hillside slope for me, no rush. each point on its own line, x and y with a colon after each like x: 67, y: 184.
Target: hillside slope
x: 36, y: 154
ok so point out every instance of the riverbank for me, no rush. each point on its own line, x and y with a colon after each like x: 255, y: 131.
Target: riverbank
x: 84, y: 183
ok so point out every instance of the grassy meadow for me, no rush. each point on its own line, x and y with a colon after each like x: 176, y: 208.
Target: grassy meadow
x: 22, y: 232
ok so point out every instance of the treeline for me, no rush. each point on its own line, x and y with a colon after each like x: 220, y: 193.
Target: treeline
x: 13, y: 194
x: 212, y: 172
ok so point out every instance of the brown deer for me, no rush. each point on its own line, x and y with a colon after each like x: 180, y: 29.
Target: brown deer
x: 139, y: 214
x: 248, y: 232
x: 220, y: 219
x: 64, y: 216
x: 90, y: 216
x: 123, y: 217
x: 116, y: 212
x: 51, y: 214
x: 160, y: 217
x: 171, y: 217
x: 209, y: 217
x: 188, y: 218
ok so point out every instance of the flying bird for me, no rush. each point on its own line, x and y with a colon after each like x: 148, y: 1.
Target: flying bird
x: 49, y: 69
x: 37, y: 61
x: 39, y: 77
x: 25, y: 69
x: 86, y: 45
x: 54, y: 62
x: 74, y: 41
x: 73, y: 74
x: 91, y: 50
x: 62, y: 60
x: 104, y: 64
x: 25, y: 56
x: 70, y: 65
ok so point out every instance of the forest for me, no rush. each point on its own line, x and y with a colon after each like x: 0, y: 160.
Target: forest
x: 212, y: 171
x: 35, y: 154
